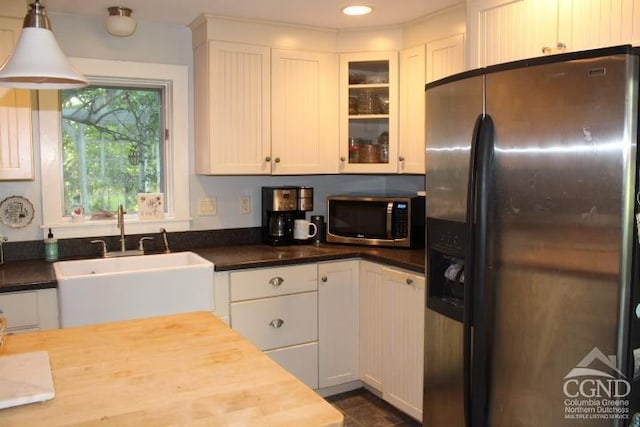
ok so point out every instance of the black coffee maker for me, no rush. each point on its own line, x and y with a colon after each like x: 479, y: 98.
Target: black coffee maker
x: 281, y: 206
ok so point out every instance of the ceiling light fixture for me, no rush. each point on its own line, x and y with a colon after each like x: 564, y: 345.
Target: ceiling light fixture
x: 119, y: 22
x: 356, y: 10
x: 37, y: 62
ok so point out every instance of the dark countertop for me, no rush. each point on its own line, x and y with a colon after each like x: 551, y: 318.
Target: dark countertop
x: 38, y: 274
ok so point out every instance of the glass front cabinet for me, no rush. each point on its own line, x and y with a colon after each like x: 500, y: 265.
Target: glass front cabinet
x: 369, y: 112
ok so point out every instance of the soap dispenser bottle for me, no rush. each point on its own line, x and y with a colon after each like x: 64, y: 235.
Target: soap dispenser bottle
x: 50, y: 248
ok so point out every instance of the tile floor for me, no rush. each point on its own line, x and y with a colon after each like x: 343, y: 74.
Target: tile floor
x: 362, y: 408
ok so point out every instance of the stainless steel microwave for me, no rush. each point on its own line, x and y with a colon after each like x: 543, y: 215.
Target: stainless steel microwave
x: 377, y: 220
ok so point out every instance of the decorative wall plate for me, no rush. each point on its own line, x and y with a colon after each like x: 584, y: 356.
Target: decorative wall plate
x: 16, y: 212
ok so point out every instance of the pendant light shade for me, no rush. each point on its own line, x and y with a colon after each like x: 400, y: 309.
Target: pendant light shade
x: 37, y: 62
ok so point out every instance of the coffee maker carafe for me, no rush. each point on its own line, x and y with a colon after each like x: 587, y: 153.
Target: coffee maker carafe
x: 279, y: 211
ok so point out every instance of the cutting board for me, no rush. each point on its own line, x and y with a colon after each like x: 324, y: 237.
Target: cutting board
x: 25, y: 378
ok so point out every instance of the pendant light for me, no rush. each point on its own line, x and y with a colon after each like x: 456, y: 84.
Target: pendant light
x: 37, y: 62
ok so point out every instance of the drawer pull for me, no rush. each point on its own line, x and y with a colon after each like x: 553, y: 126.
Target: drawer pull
x: 324, y: 278
x: 409, y: 281
x: 276, y: 281
x: 276, y: 323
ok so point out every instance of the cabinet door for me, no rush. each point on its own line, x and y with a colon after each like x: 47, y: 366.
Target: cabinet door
x: 338, y: 322
x: 445, y: 57
x: 405, y: 296
x: 369, y: 112
x: 507, y: 30
x: 233, y: 108
x: 304, y: 118
x: 373, y: 327
x: 589, y: 24
x: 16, y: 157
x: 412, y: 132
x: 30, y: 310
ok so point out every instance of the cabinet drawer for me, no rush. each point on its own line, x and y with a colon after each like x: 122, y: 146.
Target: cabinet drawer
x: 300, y: 360
x: 269, y: 282
x: 277, y: 322
x: 20, y: 309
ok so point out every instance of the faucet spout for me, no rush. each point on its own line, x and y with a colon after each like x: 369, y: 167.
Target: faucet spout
x: 121, y: 227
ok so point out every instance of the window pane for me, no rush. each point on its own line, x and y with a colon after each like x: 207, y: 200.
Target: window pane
x: 113, y: 149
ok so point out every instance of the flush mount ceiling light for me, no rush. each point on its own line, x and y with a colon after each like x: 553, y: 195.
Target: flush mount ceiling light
x: 37, y: 62
x: 356, y: 10
x: 119, y: 22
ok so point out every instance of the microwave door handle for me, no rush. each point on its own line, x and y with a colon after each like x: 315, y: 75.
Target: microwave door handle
x: 389, y: 220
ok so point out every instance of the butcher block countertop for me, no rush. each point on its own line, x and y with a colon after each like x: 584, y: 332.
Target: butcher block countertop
x: 187, y: 369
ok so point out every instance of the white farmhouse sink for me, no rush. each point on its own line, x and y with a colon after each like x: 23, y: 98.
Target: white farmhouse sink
x: 107, y: 289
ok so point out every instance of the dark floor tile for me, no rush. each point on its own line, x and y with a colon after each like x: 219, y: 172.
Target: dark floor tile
x: 362, y: 408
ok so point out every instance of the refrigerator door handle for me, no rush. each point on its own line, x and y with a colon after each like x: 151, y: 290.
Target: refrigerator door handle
x: 467, y: 316
x: 477, y: 320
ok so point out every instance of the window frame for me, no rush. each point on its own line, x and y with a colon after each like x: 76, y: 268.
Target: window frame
x: 175, y: 79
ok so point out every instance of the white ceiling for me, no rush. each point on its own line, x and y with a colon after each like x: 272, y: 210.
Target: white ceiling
x: 319, y: 13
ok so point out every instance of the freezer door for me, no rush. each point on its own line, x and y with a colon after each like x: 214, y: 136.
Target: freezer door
x: 451, y: 111
x: 560, y: 227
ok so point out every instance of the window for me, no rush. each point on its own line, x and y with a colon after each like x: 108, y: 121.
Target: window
x: 126, y: 133
x: 113, y: 146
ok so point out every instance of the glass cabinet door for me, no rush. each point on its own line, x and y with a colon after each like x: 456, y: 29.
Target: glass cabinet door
x: 369, y: 126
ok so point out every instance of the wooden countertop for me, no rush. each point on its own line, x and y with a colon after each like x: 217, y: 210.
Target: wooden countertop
x: 188, y: 369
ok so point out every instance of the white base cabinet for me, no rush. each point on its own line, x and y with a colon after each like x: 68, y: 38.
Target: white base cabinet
x: 277, y: 310
x: 404, y: 371
x: 392, y: 305
x: 28, y: 311
x: 338, y: 325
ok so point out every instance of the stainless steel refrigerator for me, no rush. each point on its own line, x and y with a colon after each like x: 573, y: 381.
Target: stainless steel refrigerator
x: 533, y: 309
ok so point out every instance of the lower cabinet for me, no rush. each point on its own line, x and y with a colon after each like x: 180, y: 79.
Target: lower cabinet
x: 332, y: 324
x: 277, y: 310
x: 392, y: 305
x: 338, y: 324
x: 28, y: 311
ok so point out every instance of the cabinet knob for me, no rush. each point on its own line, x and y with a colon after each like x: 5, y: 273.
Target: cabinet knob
x: 409, y: 281
x: 276, y: 281
x: 277, y: 160
x: 401, y: 158
x: 324, y: 278
x: 276, y: 323
x: 559, y: 48
x: 342, y: 159
x: 267, y: 159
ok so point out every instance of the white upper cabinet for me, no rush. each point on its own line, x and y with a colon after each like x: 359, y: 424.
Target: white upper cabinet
x: 506, y: 30
x: 588, y: 24
x: 304, y: 122
x: 412, y: 104
x: 261, y: 111
x: 232, y: 109
x: 16, y: 152
x: 369, y: 112
x: 445, y: 57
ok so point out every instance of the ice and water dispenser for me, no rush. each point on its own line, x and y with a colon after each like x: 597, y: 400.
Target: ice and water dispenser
x: 446, y: 251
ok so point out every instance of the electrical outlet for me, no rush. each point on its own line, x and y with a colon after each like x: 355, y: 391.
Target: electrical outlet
x: 207, y: 206
x: 245, y: 205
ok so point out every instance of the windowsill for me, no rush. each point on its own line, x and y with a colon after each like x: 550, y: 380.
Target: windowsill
x: 108, y: 227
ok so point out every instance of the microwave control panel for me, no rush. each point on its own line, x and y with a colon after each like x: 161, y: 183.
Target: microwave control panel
x: 400, y: 220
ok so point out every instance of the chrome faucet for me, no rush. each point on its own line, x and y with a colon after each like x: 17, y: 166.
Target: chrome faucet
x: 123, y: 246
x: 166, y: 242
